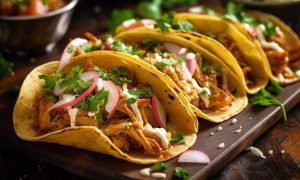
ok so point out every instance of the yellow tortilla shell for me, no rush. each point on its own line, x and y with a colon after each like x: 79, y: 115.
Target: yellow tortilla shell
x: 180, y: 117
x: 188, y: 40
x: 211, y: 24
x: 291, y: 36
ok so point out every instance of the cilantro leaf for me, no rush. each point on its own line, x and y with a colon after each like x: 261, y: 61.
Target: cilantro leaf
x: 149, y: 43
x: 73, y: 83
x: 118, y: 75
x: 5, y: 67
x: 165, y: 22
x: 184, y: 25
x: 178, y: 138
x: 209, y: 11
x: 118, y: 16
x: 88, y: 47
x: 265, y: 98
x: 136, y: 93
x: 274, y: 87
x: 160, y: 166
x: 93, y: 102
x: 204, y: 66
x: 181, y: 173
x: 234, y: 13
x: 213, y: 36
x: 270, y: 28
x: 50, y: 98
x: 164, y: 63
x: 50, y: 83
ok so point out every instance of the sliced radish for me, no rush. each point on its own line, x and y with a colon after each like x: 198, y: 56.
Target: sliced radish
x: 251, y: 29
x: 158, y: 112
x: 114, y: 95
x: 194, y: 156
x: 70, y: 102
x: 148, y: 22
x: 174, y: 48
x: 191, y: 62
x: 128, y: 23
x: 57, y: 91
x: 68, y: 53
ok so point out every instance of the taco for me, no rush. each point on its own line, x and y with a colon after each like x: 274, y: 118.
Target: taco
x: 214, y: 91
x: 105, y: 102
x: 253, y: 70
x: 274, y: 40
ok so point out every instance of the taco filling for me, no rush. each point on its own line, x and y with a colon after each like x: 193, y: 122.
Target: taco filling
x: 110, y: 99
x: 203, y: 84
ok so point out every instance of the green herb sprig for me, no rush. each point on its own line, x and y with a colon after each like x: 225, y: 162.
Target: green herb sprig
x: 266, y: 98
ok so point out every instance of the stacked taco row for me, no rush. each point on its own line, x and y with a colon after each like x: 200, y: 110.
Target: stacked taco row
x: 137, y: 95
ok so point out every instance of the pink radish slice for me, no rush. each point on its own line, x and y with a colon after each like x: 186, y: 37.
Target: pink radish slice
x: 191, y: 65
x: 158, y: 112
x: 148, y: 22
x: 113, y: 96
x: 175, y: 49
x: 82, y: 96
x: 57, y: 91
x: 252, y: 30
x: 67, y: 54
x: 194, y: 156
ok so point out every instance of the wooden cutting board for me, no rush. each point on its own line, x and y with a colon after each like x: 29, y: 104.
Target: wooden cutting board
x: 254, y: 122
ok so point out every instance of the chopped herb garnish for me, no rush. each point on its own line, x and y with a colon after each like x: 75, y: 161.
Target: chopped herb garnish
x: 160, y: 166
x: 165, y: 22
x: 118, y: 75
x: 183, y: 25
x: 274, y: 87
x: 270, y: 28
x: 149, y: 43
x: 214, y: 36
x: 234, y: 13
x: 204, y: 66
x: 164, y: 63
x: 88, y: 47
x: 92, y: 102
x: 179, y: 59
x: 70, y: 49
x: 181, y: 173
x: 5, y: 67
x: 73, y: 83
x: 136, y: 93
x: 118, y: 16
x: 178, y: 138
x: 99, y: 117
x: 210, y: 11
x: 50, y: 98
x: 50, y: 83
x: 265, y: 98
x: 20, y: 2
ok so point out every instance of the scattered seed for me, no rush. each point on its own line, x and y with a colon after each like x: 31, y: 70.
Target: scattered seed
x: 221, y: 146
x: 241, y: 127
x: 250, y: 118
x: 212, y: 133
x: 145, y: 172
x: 238, y: 131
x: 282, y: 151
x: 159, y: 175
x: 270, y: 152
x: 257, y: 152
x: 234, y: 121
x: 220, y: 128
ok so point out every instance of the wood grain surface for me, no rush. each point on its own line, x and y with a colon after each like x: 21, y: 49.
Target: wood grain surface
x: 14, y: 154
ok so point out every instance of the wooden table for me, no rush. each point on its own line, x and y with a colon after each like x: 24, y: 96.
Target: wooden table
x: 282, y: 136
